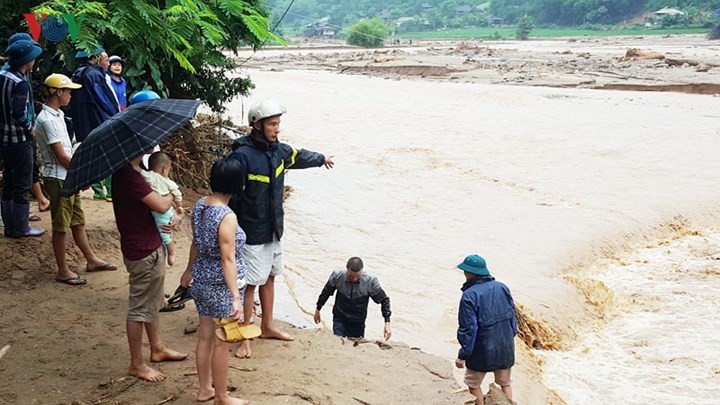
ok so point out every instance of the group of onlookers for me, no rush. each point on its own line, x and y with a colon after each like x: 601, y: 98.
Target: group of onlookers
x: 31, y: 140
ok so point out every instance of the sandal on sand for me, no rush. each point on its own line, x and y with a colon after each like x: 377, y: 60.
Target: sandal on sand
x: 172, y: 307
x: 180, y: 296
x: 107, y: 266
x: 34, y: 218
x: 232, y: 332
x: 77, y: 280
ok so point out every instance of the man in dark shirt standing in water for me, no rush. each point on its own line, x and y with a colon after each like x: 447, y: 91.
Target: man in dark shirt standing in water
x: 354, y: 288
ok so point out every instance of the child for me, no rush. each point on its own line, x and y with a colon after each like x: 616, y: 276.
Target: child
x: 486, y: 329
x: 157, y: 177
x: 118, y: 83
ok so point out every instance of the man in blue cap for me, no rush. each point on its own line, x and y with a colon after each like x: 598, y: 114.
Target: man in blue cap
x: 43, y: 202
x: 16, y: 135
x: 487, y: 328
x: 92, y: 104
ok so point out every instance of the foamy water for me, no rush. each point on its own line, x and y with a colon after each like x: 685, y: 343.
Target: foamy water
x: 531, y: 178
x: 663, y: 344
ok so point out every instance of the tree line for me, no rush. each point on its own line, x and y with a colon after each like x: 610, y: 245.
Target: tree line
x: 438, y: 14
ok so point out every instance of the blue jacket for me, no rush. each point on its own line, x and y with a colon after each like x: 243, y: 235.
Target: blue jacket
x: 94, y: 103
x: 120, y: 88
x: 31, y: 98
x: 14, y: 124
x: 259, y: 206
x: 487, y: 325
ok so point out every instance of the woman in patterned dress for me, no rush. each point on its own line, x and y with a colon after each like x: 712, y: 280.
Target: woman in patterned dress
x: 216, y: 274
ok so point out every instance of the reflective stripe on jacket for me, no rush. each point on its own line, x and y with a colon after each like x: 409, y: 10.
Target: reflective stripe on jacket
x: 259, y: 207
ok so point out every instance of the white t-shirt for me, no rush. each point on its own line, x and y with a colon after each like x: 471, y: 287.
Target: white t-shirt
x: 50, y: 129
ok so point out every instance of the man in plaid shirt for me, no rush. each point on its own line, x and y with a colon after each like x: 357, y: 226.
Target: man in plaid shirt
x: 16, y: 135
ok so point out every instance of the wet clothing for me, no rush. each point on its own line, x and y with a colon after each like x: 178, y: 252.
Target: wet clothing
x: 487, y: 325
x: 139, y: 237
x: 352, y: 299
x: 259, y: 207
x: 345, y: 329
x: 92, y: 104
x: 209, y: 290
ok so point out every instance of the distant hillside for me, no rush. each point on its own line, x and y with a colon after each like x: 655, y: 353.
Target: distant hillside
x: 436, y: 14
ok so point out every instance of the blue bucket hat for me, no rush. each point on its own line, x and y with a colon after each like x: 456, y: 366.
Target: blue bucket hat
x: 20, y: 36
x: 474, y: 264
x: 22, y: 52
x: 85, y: 55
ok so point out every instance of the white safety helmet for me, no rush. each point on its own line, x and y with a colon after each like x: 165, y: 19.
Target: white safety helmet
x: 265, y: 109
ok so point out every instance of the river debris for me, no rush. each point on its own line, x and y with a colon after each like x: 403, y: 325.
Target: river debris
x: 197, y: 146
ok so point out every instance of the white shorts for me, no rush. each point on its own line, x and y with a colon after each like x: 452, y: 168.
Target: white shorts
x: 262, y: 261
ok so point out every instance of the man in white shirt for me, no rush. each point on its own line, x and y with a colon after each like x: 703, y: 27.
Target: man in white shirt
x: 66, y: 212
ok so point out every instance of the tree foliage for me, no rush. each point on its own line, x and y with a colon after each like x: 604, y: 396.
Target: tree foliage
x: 171, y: 46
x: 525, y: 24
x: 368, y: 33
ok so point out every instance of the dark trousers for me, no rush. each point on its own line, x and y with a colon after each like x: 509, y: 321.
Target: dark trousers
x: 17, y: 173
x: 351, y: 330
x: 36, y: 164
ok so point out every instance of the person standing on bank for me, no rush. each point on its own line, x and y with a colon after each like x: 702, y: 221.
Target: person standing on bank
x: 486, y: 330
x: 259, y: 207
x: 118, y: 83
x: 354, y: 288
x: 92, y: 105
x: 17, y: 137
x: 36, y: 188
x: 66, y: 212
x: 144, y: 258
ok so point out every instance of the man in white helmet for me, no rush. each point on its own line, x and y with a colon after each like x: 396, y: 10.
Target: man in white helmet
x: 259, y: 207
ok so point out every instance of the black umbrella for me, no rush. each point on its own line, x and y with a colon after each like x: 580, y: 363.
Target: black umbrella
x: 124, y: 137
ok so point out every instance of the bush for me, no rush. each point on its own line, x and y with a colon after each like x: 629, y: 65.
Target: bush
x: 524, y: 26
x: 368, y: 33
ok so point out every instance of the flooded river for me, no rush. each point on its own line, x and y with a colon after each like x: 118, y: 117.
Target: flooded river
x: 533, y: 179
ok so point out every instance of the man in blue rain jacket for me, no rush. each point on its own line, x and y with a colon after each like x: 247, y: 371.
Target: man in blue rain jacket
x: 94, y: 103
x: 487, y: 328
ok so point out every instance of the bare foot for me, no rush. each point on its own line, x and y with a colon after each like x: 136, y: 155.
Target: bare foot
x: 167, y: 355
x: 276, y: 334
x: 146, y: 373
x: 44, y: 205
x: 171, y: 259
x: 231, y: 401
x: 244, y: 351
x: 206, y: 395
